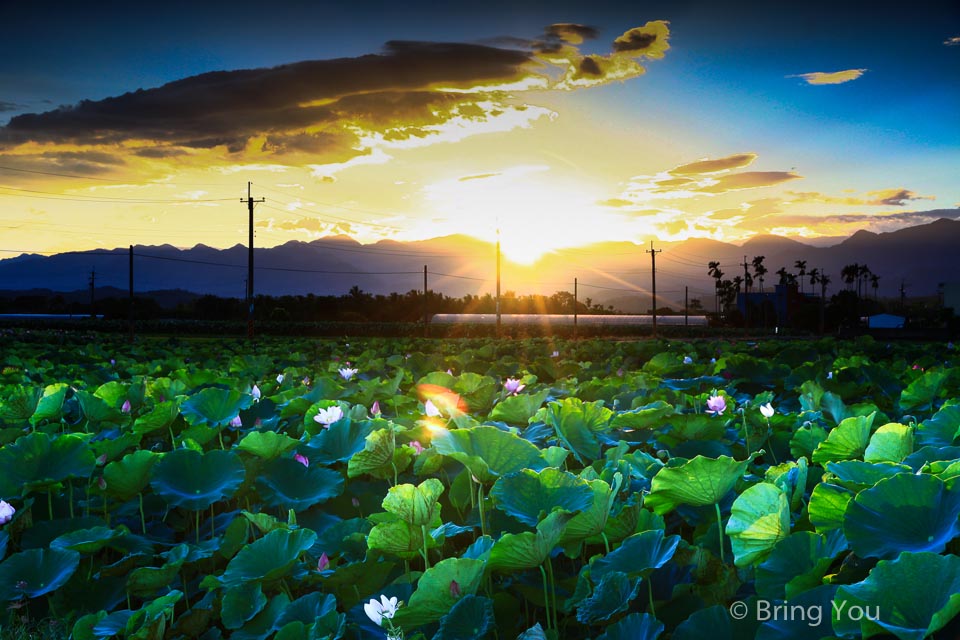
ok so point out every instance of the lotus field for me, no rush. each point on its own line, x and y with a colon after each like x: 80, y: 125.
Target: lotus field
x: 478, y: 489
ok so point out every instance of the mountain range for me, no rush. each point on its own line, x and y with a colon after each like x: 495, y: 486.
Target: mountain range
x: 618, y: 273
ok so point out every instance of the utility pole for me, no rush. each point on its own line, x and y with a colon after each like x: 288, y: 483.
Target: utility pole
x: 93, y: 279
x: 425, y: 316
x: 686, y: 305
x: 498, y: 280
x: 574, y: 308
x: 130, y: 307
x: 250, y: 202
x: 746, y: 294
x: 653, y: 270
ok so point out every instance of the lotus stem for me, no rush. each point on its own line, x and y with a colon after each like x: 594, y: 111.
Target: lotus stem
x: 553, y: 590
x: 653, y: 610
x: 196, y: 524
x: 746, y: 434
x: 220, y: 437
x: 143, y: 520
x: 483, y: 523
x: 70, y: 492
x: 546, y: 596
x: 606, y: 542
x: 50, y: 504
x: 213, y: 527
x: 716, y: 506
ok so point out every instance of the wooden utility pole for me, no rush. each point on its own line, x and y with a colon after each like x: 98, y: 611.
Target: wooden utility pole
x: 653, y: 271
x: 426, y: 318
x: 746, y: 294
x: 250, y: 202
x: 130, y: 306
x: 686, y: 305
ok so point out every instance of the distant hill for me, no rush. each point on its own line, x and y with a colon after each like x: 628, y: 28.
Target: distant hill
x: 921, y: 256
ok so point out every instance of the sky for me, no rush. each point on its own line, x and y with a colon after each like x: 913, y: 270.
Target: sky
x: 558, y: 124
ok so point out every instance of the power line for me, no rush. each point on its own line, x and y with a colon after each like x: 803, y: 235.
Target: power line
x: 50, y: 195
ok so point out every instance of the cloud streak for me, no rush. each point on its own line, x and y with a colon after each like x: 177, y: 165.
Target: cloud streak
x: 833, y: 77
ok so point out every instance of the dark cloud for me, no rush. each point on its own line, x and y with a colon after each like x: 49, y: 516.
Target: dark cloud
x: 9, y: 106
x: 894, y: 197
x: 590, y: 66
x: 85, y: 163
x: 229, y: 107
x: 572, y: 33
x: 160, y: 152
x: 649, y: 40
x: 912, y: 217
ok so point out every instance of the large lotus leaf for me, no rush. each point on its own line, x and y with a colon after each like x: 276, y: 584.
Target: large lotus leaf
x: 268, y: 558
x: 593, y: 520
x: 376, y: 456
x: 89, y: 540
x: 401, y: 538
x: 18, y: 404
x: 905, y: 513
x: 434, y: 598
x: 309, y: 609
x: 415, y: 505
x: 214, y: 406
x: 535, y: 632
x: 759, y: 519
x: 159, y: 418
x: 806, y: 439
x: 941, y: 429
x: 890, y: 443
x: 530, y: 496
x: 698, y: 482
x: 50, y: 405
x: 267, y: 444
x: 920, y: 395
x: 577, y: 424
x: 240, y: 603
x: 791, y: 477
x: 910, y: 597
x: 37, y: 461
x: 150, y: 621
x: 929, y: 454
x: 488, y: 452
x: 477, y: 391
x: 129, y: 476
x: 286, y: 483
x: 638, y: 553
x: 635, y: 626
x: 96, y: 410
x: 349, y: 581
x: 145, y: 581
x: 263, y: 624
x: 828, y: 503
x: 193, y: 480
x: 649, y: 416
x: 35, y: 572
x: 612, y: 595
x: 517, y: 551
x: 716, y: 623
x: 518, y: 409
x: 804, y: 617
x: 340, y: 441
x: 847, y: 441
x: 856, y: 474
x: 797, y: 563
x: 470, y: 619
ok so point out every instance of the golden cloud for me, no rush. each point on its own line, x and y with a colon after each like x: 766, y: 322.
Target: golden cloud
x: 737, y: 161
x: 885, y: 197
x: 748, y: 180
x: 834, y: 77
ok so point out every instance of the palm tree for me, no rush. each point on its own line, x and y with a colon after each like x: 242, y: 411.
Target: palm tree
x: 784, y: 275
x: 875, y: 283
x: 814, y: 277
x: 759, y: 270
x: 801, y: 266
x: 851, y: 273
x: 862, y: 276
x: 713, y: 270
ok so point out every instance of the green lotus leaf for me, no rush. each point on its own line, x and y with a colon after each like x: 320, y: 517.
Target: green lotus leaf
x: 114, y: 393
x: 376, y: 456
x: 415, y: 505
x: 806, y: 439
x: 828, y: 503
x: 904, y: 513
x: 188, y: 479
x: 635, y: 626
x: 240, y: 603
x: 477, y: 391
x: 856, y: 474
x: 612, y: 595
x: 38, y: 461
x: 759, y: 519
x: 267, y: 444
x: 434, y: 598
x: 263, y: 624
x: 716, y: 623
x: 890, y: 443
x: 488, y: 452
x: 401, y: 538
x: 88, y: 541
x: 593, y: 520
x: 808, y: 616
x: 18, y: 404
x: 146, y: 581
x: 350, y: 582
x: 847, y: 441
x: 577, y: 424
x: 529, y: 496
x: 638, y: 553
x: 911, y: 598
x: 214, y: 407
x: 340, y: 441
x: 929, y: 455
x: 159, y: 418
x: 698, y: 482
x: 35, y: 572
x: 797, y: 564
x: 942, y: 429
x: 517, y: 551
x: 113, y: 624
x: 649, y: 416
x: 268, y: 558
x: 518, y: 409
x: 310, y: 609
x: 535, y: 632
x: 471, y: 618
x: 4, y: 539
x: 791, y: 477
x: 921, y: 394
x: 96, y: 410
x: 50, y: 406
x: 287, y: 483
x: 130, y: 475
x: 150, y: 621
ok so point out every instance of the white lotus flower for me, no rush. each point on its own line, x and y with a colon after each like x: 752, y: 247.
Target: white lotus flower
x: 385, y: 608
x: 687, y: 360
x: 431, y: 409
x: 279, y: 378
x: 347, y: 373
x: 328, y: 416
x: 6, y: 512
x: 767, y: 410
x: 255, y: 392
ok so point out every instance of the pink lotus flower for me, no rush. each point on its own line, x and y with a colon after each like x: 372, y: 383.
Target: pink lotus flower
x: 454, y: 589
x: 716, y: 405
x: 255, y: 392
x: 416, y: 446
x: 102, y: 484
x: 323, y: 562
x: 102, y: 460
x: 302, y: 459
x: 328, y: 416
x: 236, y: 422
x: 126, y: 407
x: 513, y: 386
x: 306, y: 381
x: 6, y: 512
x: 375, y: 409
x: 355, y: 502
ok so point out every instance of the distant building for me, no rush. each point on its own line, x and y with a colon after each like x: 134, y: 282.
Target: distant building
x: 885, y: 321
x: 773, y: 308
